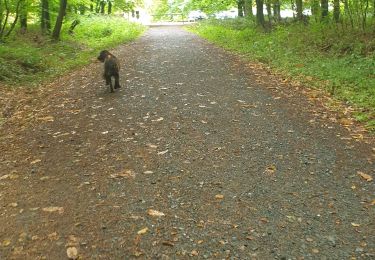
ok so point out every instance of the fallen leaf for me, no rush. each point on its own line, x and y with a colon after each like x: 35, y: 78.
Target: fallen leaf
x: 365, y: 176
x: 124, y: 174
x: 372, y: 203
x: 142, y: 231
x: 158, y: 120
x: 35, y: 161
x: 152, y: 146
x: 168, y: 243
x: 6, y: 176
x: 345, y: 121
x: 194, y: 253
x: 53, y: 236
x: 72, y: 252
x: 270, y: 169
x: 219, y: 196
x: 6, y: 242
x: 47, y: 118
x: 60, y: 210
x: 148, y: 172
x: 155, y: 213
x: 355, y: 224
x: 162, y: 152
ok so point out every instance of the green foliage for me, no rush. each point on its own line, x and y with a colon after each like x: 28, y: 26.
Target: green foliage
x: 31, y: 57
x: 342, y: 62
x: 211, y: 6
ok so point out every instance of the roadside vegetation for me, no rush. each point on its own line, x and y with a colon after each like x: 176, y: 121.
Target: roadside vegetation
x: 337, y: 56
x: 31, y: 52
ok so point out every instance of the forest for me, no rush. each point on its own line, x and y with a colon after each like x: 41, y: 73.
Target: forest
x: 325, y: 44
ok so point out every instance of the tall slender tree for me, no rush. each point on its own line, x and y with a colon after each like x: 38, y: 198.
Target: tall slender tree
x: 324, y: 9
x: 23, y: 15
x: 248, y: 8
x: 336, y: 10
x: 59, y: 20
x: 260, y: 14
x: 45, y: 21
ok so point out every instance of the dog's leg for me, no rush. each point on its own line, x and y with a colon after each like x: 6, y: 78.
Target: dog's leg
x: 117, y: 81
x: 108, y: 82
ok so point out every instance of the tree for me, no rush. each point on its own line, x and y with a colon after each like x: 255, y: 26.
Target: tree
x: 10, y: 9
x: 336, y: 10
x: 45, y: 21
x: 277, y: 10
x: 260, y: 14
x: 59, y: 20
x: 23, y: 15
x: 324, y: 9
x: 240, y: 7
x: 299, y: 9
x: 248, y: 8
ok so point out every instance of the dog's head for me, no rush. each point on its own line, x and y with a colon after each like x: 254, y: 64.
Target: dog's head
x: 103, y: 55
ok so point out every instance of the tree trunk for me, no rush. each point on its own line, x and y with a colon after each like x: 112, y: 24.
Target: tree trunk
x: 97, y: 6
x: 109, y: 7
x: 260, y: 14
x: 45, y: 21
x: 276, y: 10
x: 59, y: 20
x: 23, y: 16
x: 315, y: 7
x: 324, y: 8
x: 348, y: 13
x: 102, y: 7
x: 240, y: 7
x: 248, y: 8
x: 73, y: 26
x: 269, y: 10
x: 336, y: 10
x: 14, y: 21
x: 299, y: 7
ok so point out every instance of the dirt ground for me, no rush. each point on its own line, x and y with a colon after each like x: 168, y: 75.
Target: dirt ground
x: 198, y: 155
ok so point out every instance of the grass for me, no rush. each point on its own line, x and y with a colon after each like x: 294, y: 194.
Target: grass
x: 32, y: 58
x: 338, y: 60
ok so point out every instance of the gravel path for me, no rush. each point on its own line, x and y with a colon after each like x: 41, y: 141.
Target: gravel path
x: 199, y: 154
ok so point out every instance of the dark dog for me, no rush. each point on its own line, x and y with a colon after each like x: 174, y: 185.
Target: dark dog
x: 111, y: 69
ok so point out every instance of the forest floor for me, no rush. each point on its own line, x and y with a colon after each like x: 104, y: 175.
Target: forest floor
x: 199, y: 154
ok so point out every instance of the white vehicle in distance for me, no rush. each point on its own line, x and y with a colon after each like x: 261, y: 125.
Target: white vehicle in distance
x: 196, y: 15
x: 227, y: 14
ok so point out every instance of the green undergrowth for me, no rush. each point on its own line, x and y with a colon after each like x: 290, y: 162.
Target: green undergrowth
x: 339, y: 60
x: 32, y: 58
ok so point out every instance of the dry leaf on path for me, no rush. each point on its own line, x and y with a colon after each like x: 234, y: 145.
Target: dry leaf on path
x: 35, y: 161
x: 6, y: 242
x: 142, y: 231
x: 162, y: 152
x: 124, y: 174
x: 219, y: 196
x: 72, y: 253
x: 355, y: 224
x: 365, y: 176
x: 60, y: 210
x: 47, y: 119
x: 155, y: 213
x: 270, y: 169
